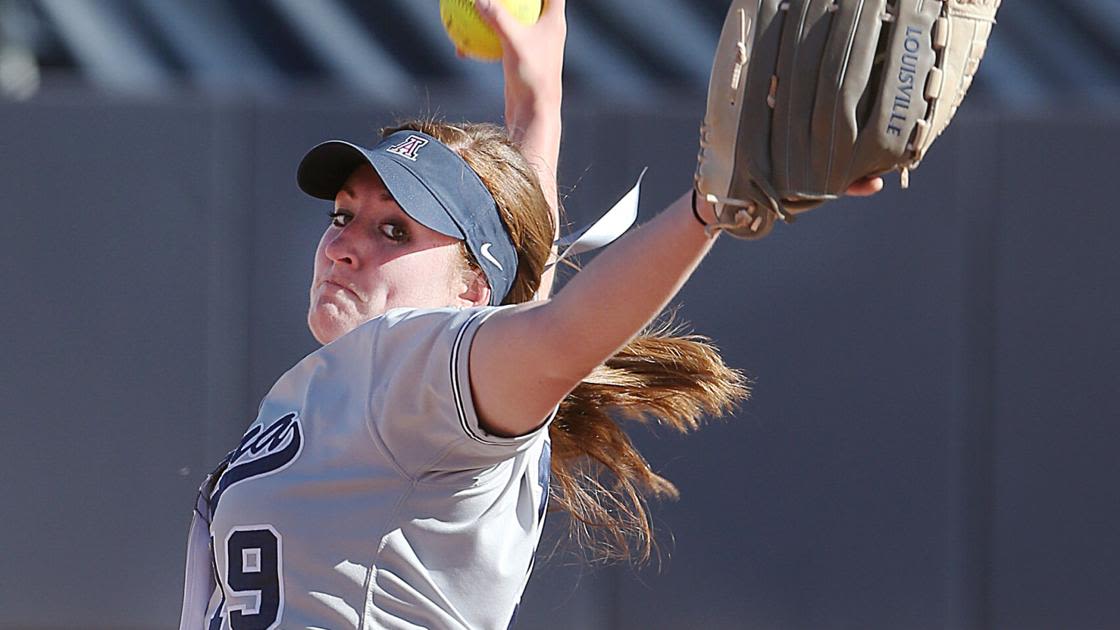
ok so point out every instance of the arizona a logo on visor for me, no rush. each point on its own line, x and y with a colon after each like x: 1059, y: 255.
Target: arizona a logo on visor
x: 409, y: 147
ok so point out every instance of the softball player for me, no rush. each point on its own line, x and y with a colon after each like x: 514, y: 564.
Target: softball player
x: 398, y: 477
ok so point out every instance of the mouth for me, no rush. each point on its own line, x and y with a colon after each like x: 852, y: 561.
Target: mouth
x: 345, y: 287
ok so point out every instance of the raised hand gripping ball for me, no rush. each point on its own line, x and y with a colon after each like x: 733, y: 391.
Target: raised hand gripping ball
x: 472, y: 35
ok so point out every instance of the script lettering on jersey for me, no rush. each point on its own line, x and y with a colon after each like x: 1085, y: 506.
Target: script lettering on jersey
x: 263, y: 450
x: 907, y: 74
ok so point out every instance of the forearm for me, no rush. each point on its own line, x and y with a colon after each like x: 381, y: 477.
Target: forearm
x: 624, y: 289
x: 534, y: 123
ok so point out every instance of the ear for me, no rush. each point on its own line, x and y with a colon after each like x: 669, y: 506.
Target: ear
x: 477, y: 291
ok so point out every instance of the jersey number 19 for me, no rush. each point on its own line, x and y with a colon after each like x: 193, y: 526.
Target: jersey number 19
x: 253, y: 569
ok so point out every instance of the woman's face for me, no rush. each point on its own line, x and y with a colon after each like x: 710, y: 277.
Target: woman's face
x: 373, y: 257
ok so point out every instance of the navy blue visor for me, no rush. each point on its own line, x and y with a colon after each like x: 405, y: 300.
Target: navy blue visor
x: 433, y: 185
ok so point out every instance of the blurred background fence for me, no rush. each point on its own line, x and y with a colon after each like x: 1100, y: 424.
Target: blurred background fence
x: 932, y: 441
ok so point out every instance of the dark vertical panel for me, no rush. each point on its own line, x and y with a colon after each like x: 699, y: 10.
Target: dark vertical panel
x: 102, y: 379
x: 1056, y: 549
x: 229, y: 216
x: 824, y: 502
x: 975, y: 145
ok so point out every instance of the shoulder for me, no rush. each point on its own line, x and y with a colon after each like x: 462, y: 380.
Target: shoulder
x: 431, y: 316
x: 414, y: 336
x: 403, y: 322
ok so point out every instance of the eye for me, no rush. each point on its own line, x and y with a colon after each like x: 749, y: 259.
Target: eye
x: 394, y: 232
x: 340, y: 219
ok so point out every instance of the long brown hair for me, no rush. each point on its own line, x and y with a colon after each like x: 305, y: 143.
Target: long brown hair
x: 598, y: 477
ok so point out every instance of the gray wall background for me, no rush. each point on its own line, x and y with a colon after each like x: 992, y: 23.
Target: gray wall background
x: 931, y: 443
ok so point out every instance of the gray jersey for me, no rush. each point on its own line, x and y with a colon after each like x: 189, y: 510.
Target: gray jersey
x: 366, y: 495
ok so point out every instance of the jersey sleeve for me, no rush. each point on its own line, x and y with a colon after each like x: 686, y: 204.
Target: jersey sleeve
x: 421, y: 408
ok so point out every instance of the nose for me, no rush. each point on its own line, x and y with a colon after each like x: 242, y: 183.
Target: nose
x: 340, y: 248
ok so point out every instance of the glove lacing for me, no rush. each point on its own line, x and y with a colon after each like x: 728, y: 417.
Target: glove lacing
x: 745, y: 218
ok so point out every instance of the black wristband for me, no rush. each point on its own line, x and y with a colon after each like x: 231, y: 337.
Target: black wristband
x: 695, y: 212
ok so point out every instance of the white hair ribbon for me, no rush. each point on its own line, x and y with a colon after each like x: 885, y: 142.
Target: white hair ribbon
x: 613, y: 224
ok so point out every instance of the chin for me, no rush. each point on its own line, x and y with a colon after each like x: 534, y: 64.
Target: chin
x: 325, y: 328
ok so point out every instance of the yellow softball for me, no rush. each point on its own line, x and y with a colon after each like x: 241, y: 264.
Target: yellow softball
x: 472, y: 35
